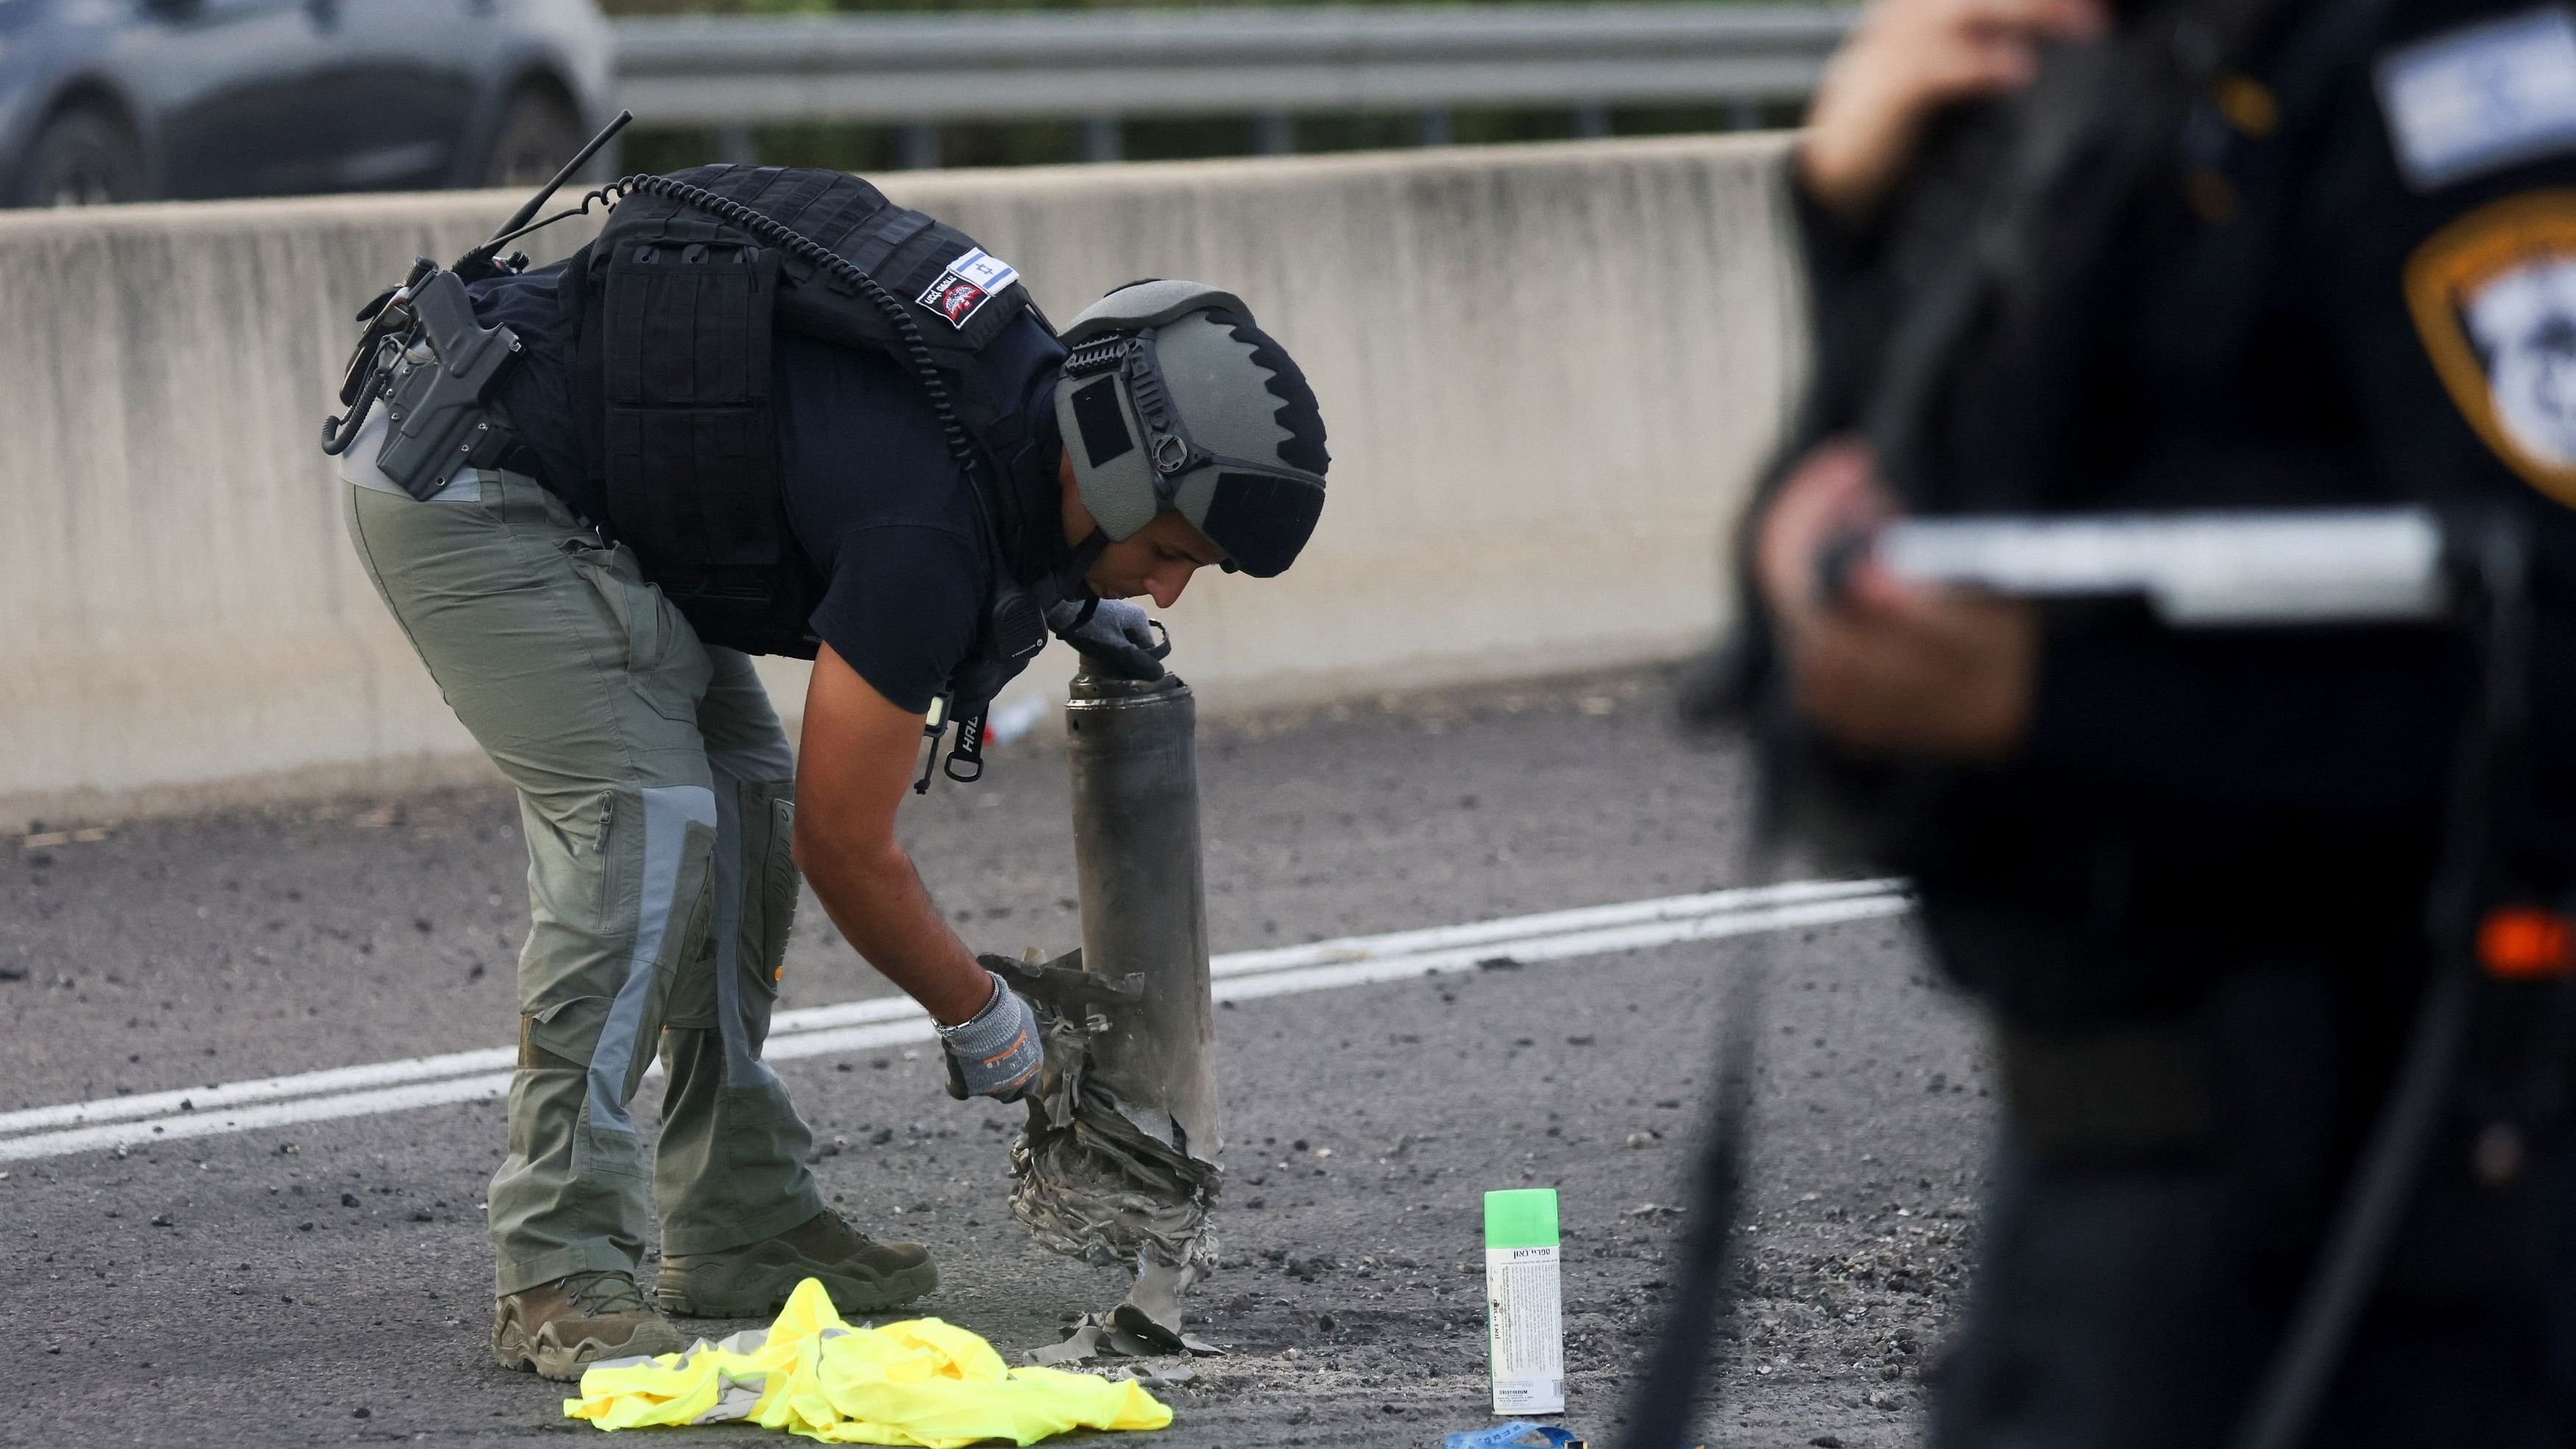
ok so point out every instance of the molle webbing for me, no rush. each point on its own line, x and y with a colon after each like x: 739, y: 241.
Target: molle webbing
x: 687, y: 394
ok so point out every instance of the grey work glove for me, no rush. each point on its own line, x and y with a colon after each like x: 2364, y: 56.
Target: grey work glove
x: 997, y: 1052
x: 1117, y: 637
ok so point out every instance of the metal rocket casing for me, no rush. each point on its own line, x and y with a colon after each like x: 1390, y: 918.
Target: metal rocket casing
x: 1134, y: 763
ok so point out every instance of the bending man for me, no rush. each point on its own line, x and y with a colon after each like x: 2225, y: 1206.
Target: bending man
x: 768, y: 411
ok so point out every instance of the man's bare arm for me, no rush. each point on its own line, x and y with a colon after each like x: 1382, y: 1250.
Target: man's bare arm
x: 852, y: 769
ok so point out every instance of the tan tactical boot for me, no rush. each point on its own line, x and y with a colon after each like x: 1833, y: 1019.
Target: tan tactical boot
x: 563, y: 1327
x: 863, y: 1275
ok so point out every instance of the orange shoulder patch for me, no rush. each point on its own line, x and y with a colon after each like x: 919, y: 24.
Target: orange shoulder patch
x: 2494, y: 298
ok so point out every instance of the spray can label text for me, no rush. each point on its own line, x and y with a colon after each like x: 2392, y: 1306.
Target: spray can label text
x: 1525, y: 1330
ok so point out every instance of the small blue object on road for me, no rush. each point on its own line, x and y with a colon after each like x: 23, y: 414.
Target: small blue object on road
x: 1518, y: 1434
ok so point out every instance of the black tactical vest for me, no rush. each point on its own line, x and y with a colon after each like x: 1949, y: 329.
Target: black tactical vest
x: 680, y: 296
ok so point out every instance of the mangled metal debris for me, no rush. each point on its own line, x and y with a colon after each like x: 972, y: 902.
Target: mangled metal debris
x: 1118, y: 1163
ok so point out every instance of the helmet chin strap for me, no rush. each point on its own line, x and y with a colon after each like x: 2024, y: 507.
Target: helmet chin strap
x: 1069, y: 582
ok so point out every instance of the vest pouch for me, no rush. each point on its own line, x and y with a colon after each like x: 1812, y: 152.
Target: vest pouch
x: 689, y: 436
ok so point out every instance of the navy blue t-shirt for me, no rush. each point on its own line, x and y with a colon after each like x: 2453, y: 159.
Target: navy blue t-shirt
x: 872, y: 494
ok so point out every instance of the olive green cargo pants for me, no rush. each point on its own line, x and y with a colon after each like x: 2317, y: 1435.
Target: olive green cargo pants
x: 655, y: 790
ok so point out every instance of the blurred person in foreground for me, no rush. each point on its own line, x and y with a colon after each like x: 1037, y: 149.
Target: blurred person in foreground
x: 2070, y: 256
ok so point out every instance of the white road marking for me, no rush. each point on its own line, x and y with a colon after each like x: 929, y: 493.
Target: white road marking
x: 1662, y: 910
x: 477, y: 1076
x: 268, y: 1089
x: 1534, y: 950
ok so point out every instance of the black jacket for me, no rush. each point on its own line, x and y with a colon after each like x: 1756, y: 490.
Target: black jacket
x: 2260, y: 309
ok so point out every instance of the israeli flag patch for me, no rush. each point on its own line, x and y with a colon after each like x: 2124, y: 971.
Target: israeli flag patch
x: 2482, y: 97
x: 966, y: 285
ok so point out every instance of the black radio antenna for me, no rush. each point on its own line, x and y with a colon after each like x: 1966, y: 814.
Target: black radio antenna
x: 518, y: 222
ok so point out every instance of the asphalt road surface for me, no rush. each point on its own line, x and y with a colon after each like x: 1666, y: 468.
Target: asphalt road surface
x: 328, y: 1281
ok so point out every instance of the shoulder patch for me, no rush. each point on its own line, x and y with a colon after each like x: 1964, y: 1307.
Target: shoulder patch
x: 2494, y: 298
x: 966, y: 285
x: 2481, y: 97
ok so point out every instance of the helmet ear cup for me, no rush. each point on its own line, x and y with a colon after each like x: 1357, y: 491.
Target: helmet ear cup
x: 1114, y: 475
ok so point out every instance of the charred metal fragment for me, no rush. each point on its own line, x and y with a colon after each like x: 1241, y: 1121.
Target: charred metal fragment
x: 1118, y: 1163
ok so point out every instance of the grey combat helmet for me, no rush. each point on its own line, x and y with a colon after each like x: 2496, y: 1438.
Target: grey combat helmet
x: 1172, y: 398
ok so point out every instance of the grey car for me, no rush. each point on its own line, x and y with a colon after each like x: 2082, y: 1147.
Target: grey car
x: 123, y: 100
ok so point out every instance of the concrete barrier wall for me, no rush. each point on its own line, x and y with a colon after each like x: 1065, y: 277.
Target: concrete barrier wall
x: 1548, y: 373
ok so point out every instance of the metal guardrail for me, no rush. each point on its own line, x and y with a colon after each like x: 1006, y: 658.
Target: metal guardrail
x: 918, y: 71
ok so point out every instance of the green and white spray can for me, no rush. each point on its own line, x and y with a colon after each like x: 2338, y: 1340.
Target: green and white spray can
x: 1524, y: 1319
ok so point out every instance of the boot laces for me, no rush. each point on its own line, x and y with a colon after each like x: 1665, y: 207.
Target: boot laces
x: 605, y: 1294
